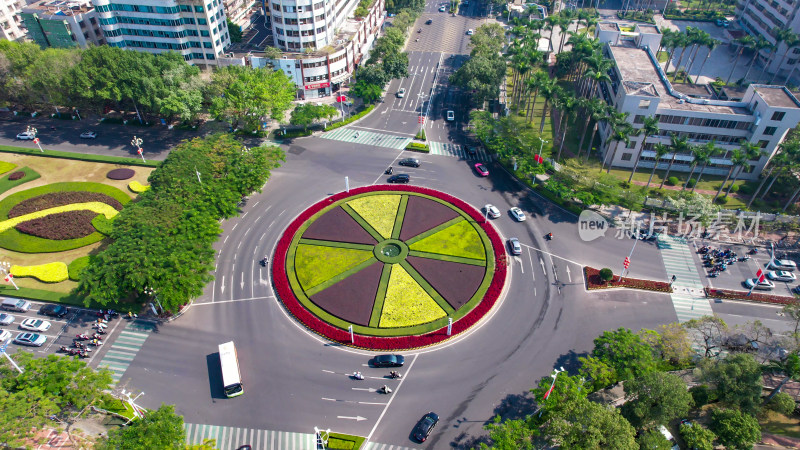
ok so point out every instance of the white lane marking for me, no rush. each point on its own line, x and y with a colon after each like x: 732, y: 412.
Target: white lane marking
x: 241, y: 282
x: 226, y: 239
x: 541, y: 261
x: 521, y: 268
x: 234, y: 226
x: 374, y: 403
x: 530, y: 258
x: 234, y: 300
x: 408, y: 371
x: 568, y: 275
x: 222, y: 285
x: 281, y: 213
x: 357, y: 418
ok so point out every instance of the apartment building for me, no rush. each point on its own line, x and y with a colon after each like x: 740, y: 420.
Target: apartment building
x: 240, y: 12
x: 194, y: 28
x: 62, y: 23
x: 10, y: 21
x: 760, y: 18
x: 762, y: 116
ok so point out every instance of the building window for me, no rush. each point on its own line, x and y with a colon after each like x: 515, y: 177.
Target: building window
x: 769, y: 131
x: 763, y: 144
x: 644, y: 104
x: 630, y: 144
x: 778, y: 115
x: 638, y: 119
x: 627, y: 156
x: 198, y: 8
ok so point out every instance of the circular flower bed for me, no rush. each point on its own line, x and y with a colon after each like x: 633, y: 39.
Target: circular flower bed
x: 394, y: 263
x: 120, y: 174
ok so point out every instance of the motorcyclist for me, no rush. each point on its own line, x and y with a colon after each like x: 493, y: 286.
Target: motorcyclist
x: 549, y: 235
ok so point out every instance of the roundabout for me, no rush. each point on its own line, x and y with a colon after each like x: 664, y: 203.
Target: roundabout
x: 402, y: 268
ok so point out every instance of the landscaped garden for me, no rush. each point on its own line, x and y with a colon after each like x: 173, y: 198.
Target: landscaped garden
x: 393, y: 263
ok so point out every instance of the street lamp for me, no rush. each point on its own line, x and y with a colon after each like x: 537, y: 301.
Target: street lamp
x: 33, y: 131
x: 137, y: 410
x: 541, y: 144
x: 5, y: 267
x: 136, y: 142
x: 322, y: 441
x: 553, y: 385
x: 153, y: 293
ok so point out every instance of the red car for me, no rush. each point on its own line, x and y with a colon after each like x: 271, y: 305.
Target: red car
x: 482, y: 170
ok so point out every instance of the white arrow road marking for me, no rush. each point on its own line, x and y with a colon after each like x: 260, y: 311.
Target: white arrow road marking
x: 365, y: 389
x: 568, y: 275
x: 356, y: 418
x: 541, y: 261
x: 521, y: 268
x: 222, y: 285
x: 241, y: 283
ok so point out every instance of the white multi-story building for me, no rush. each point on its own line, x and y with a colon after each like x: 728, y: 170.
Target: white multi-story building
x: 240, y: 12
x: 760, y: 18
x: 10, y: 21
x: 639, y: 87
x: 62, y: 23
x: 194, y: 28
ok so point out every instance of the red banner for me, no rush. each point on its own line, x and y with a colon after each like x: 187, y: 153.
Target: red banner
x: 317, y: 85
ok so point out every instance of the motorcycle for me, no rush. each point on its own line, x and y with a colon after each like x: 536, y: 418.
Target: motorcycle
x: 389, y: 171
x: 97, y: 336
x: 264, y: 262
x: 713, y: 275
x: 549, y: 236
x: 99, y: 326
x: 419, y: 31
x: 357, y: 376
x: 395, y: 375
x: 83, y: 354
x: 385, y: 390
x: 82, y: 337
x: 744, y: 258
x: 753, y: 251
x: 96, y: 342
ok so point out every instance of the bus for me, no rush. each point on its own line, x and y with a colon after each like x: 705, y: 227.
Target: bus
x: 231, y: 377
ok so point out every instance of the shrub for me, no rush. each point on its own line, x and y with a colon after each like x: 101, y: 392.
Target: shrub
x: 76, y: 267
x: 691, y: 182
x: 721, y: 200
x: 758, y: 203
x: 351, y: 119
x: 417, y: 147
x: 673, y: 181
x: 120, y: 174
x: 137, y: 187
x: 421, y: 135
x: 625, y: 185
x: 606, y: 274
x: 16, y: 175
x: 103, y: 225
x: 295, y: 134
x: 701, y: 394
x: 782, y: 403
x: 54, y: 272
x: 735, y: 188
x: 746, y: 188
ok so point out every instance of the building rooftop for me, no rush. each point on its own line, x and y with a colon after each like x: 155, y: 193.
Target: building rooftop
x: 608, y: 26
x: 777, y: 96
x: 694, y: 90
x: 733, y: 93
x: 635, y: 66
x: 60, y: 7
x: 647, y: 28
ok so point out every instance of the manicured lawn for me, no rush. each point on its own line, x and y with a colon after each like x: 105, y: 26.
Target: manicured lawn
x: 378, y: 210
x: 6, y: 166
x: 315, y: 264
x: 6, y: 184
x: 775, y: 423
x: 48, y: 273
x: 340, y: 441
x: 406, y: 303
x: 459, y: 239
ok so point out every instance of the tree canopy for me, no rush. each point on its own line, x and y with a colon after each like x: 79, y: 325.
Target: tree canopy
x: 737, y: 379
x: 655, y: 399
x: 249, y: 95
x: 583, y: 424
x: 735, y: 429
x: 307, y: 113
x: 162, y: 429
x: 625, y: 352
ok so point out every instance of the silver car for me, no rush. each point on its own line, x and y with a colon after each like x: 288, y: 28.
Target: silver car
x: 781, y: 275
x: 765, y: 285
x: 35, y: 325
x: 783, y: 264
x: 26, y: 136
x: 30, y: 339
x: 6, y: 319
x: 514, y: 246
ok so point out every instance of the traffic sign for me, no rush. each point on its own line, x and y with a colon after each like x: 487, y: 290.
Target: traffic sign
x: 627, y: 262
x: 36, y: 140
x: 421, y: 119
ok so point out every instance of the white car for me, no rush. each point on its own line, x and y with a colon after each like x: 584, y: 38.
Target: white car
x: 4, y: 335
x: 401, y: 93
x: 451, y: 115
x: 517, y: 214
x: 765, y: 285
x: 781, y: 275
x: 6, y: 319
x: 492, y: 211
x: 442, y: 8
x: 88, y: 135
x: 783, y: 264
x: 32, y: 339
x: 470, y: 32
x: 26, y: 136
x: 33, y: 324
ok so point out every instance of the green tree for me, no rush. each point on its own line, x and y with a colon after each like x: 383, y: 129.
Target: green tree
x: 738, y: 380
x: 235, y: 31
x: 566, y: 389
x: 583, y: 424
x: 250, y: 95
x: 653, y: 440
x: 649, y: 128
x: 366, y: 91
x: 599, y: 374
x: 710, y: 332
x: 735, y: 429
x: 782, y: 403
x: 697, y: 437
x: 162, y: 429
x: 307, y: 113
x: 625, y: 352
x: 396, y: 65
x: 510, y: 435
x: 655, y: 399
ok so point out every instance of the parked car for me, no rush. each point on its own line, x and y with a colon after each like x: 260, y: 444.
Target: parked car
x: 429, y: 21
x: 4, y: 335
x: 401, y: 93
x: 782, y: 264
x: 54, y: 310
x: 31, y: 339
x: 491, y: 211
x: 765, y: 285
x: 389, y: 361
x: 26, y: 136
x: 88, y: 135
x: 470, y: 32
x: 781, y: 275
x: 34, y: 324
x: 451, y: 115
x: 514, y: 247
x: 481, y: 169
x: 517, y: 214
x: 425, y: 425
x: 6, y: 319
x: 410, y: 162
x: 399, y: 178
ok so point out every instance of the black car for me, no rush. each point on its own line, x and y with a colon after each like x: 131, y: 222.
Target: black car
x: 472, y: 151
x: 54, y: 310
x: 410, y: 162
x: 429, y: 21
x: 388, y: 361
x: 399, y: 178
x: 425, y: 426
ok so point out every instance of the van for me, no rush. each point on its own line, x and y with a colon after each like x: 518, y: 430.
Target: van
x: 16, y: 304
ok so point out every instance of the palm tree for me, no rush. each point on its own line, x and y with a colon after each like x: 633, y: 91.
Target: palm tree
x: 567, y: 105
x: 790, y: 40
x: 745, y: 42
x: 761, y: 44
x: 711, y: 44
x: 600, y: 114
x: 671, y: 41
x: 551, y: 22
x: 789, y: 367
x: 549, y: 90
x: 779, y: 36
x: 660, y: 150
x: 685, y: 40
x: 738, y: 161
x: 535, y: 82
x: 621, y: 131
x: 649, y: 127
x: 703, y: 155
x: 699, y: 40
x: 785, y: 153
x: 678, y: 145
x: 591, y: 107
x: 563, y: 24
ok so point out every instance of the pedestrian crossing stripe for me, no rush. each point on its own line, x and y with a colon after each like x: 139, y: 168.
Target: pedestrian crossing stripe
x: 455, y: 150
x: 678, y: 261
x: 689, y: 307
x: 231, y: 438
x: 368, y: 138
x: 125, y: 347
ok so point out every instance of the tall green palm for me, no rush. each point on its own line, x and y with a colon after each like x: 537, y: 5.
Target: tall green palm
x: 790, y: 40
x: 589, y: 107
x: 789, y: 367
x: 779, y: 34
x: 563, y: 24
x: 745, y: 42
x: 671, y: 43
x: 549, y: 90
x: 621, y: 131
x: 781, y: 158
x: 686, y: 40
x: 703, y: 156
x: 567, y: 106
x: 711, y: 44
x: 649, y: 128
x: 600, y: 114
x: 660, y: 150
x: 761, y: 44
x: 551, y: 22
x: 792, y: 154
x: 534, y: 83
x: 700, y: 39
x: 678, y: 145
x: 738, y: 161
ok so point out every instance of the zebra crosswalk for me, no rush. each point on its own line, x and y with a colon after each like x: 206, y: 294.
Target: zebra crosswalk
x: 125, y: 347
x: 687, y: 299
x: 455, y: 150
x: 230, y: 438
x: 347, y: 134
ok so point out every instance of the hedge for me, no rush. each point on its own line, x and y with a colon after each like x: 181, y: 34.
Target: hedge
x: 350, y: 119
x: 79, y: 156
x: 103, y: 225
x: 76, y: 267
x: 6, y: 184
x: 417, y: 147
x: 595, y: 281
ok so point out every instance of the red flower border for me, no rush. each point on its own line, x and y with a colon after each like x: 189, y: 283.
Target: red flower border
x: 293, y: 305
x: 593, y: 281
x: 754, y: 297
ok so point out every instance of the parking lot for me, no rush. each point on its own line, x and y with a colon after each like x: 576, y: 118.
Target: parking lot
x: 734, y: 276
x: 62, y: 331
